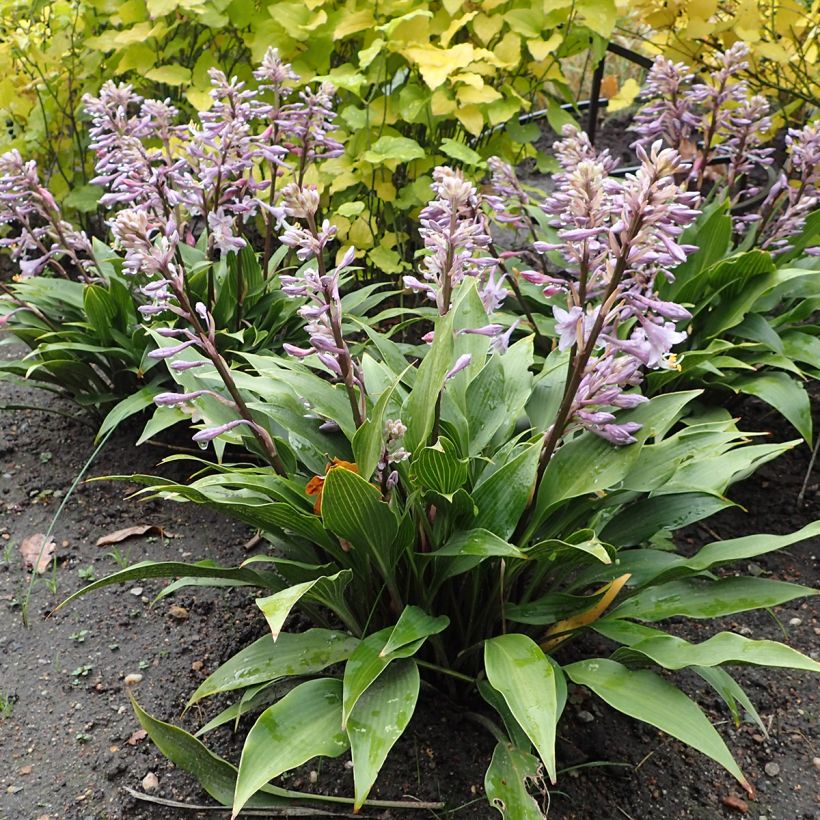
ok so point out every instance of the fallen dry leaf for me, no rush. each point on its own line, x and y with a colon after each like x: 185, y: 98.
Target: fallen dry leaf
x: 178, y: 612
x: 735, y: 803
x: 24, y: 770
x: 129, y: 532
x: 35, y: 555
x: 136, y: 737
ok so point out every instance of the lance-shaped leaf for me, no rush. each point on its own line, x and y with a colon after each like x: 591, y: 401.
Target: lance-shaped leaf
x: 419, y: 408
x: 486, y: 404
x: 697, y: 598
x: 413, y: 623
x: 173, y: 569
x: 277, y: 607
x: 511, y: 773
x: 367, y: 663
x: 501, y: 499
x: 480, y: 543
x: 306, y: 723
x: 305, y: 653
x: 724, y: 648
x: 369, y: 438
x: 648, y: 697
x: 377, y: 721
x: 731, y: 692
x: 520, y: 671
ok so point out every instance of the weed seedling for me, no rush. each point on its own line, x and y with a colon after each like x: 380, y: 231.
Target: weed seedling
x: 79, y: 637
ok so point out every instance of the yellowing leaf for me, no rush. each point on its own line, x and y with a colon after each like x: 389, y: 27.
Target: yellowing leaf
x: 436, y: 64
x: 367, y: 55
x: 455, y: 25
x: 199, y: 98
x: 360, y: 234
x: 442, y: 103
x: 468, y: 95
x: 385, y: 189
x: 487, y: 26
x: 508, y: 51
x: 169, y: 74
x: 625, y: 97
x: 540, y: 49
x: 390, y: 27
x: 469, y: 78
x: 351, y: 23
x: 501, y: 110
x: 599, y: 15
x: 471, y: 118
x: 386, y: 260
x: 393, y: 149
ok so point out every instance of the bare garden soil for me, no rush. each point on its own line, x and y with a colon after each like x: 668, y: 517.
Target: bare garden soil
x: 67, y: 733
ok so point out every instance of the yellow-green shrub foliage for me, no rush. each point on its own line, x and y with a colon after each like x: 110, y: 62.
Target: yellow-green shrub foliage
x: 782, y: 36
x: 419, y: 81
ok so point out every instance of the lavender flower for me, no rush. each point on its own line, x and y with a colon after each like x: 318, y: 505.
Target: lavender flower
x: 797, y: 192
x: 669, y: 115
x: 507, y: 199
x: 454, y: 231
x: 42, y: 238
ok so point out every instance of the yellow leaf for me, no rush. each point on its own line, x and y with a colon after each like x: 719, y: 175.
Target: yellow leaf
x: 452, y: 6
x: 467, y: 95
x: 360, y: 234
x: 508, y: 51
x: 486, y: 26
x: 411, y: 27
x: 442, y: 103
x: 564, y: 628
x: 199, y: 98
x: 471, y: 118
x: 455, y: 25
x: 501, y: 110
x: 385, y: 189
x: 137, y: 55
x: 352, y: 23
x: 489, y: 5
x: 318, y: 20
x: 625, y: 96
x: 772, y: 51
x: 435, y: 64
x: 468, y: 78
x: 540, y: 49
x: 342, y: 225
x: 367, y: 55
x: 599, y: 15
x: 701, y: 9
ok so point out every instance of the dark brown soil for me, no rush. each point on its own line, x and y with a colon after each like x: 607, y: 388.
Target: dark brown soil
x: 64, y: 738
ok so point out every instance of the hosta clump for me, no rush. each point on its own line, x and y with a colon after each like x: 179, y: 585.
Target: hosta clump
x: 184, y: 203
x: 728, y: 132
x: 459, y: 510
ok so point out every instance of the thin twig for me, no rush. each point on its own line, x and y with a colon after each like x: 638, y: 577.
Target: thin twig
x: 805, y: 484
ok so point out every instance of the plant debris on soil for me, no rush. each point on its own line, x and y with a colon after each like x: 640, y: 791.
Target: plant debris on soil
x: 71, y: 744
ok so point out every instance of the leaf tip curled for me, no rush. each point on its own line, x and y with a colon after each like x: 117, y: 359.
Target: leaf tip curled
x: 749, y: 789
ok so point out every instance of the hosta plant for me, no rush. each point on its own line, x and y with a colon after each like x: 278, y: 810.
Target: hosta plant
x: 447, y: 506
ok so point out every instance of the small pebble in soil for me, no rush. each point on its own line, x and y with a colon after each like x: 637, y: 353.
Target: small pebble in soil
x: 585, y: 717
x: 795, y: 621
x: 816, y: 762
x: 136, y: 591
x: 772, y: 769
x: 150, y: 782
x: 313, y: 776
x: 132, y: 679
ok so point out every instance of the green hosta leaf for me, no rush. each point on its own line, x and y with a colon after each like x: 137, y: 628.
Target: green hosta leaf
x: 369, y: 438
x: 520, y: 671
x: 84, y: 198
x: 551, y: 608
x: 129, y: 406
x: 353, y: 509
x: 419, y: 408
x: 481, y: 543
x: 725, y: 647
x: 648, y: 697
x: 413, y: 624
x: 438, y: 468
x: 305, y: 653
x: 173, y: 569
x: 486, y: 404
x: 496, y: 700
x: 695, y: 598
x: 501, y: 499
x: 306, y: 723
x: 216, y: 776
x: 393, y: 149
x: 731, y: 692
x: 377, y: 722
x: 277, y: 607
x: 252, y: 699
x: 367, y: 663
x: 590, y: 546
x: 511, y: 773
x: 461, y: 152
x: 782, y: 392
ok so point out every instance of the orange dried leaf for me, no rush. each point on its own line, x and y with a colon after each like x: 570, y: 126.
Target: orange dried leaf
x: 129, y: 532
x: 36, y: 553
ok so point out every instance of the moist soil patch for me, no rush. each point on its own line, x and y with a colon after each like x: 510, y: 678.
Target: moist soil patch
x: 67, y: 731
